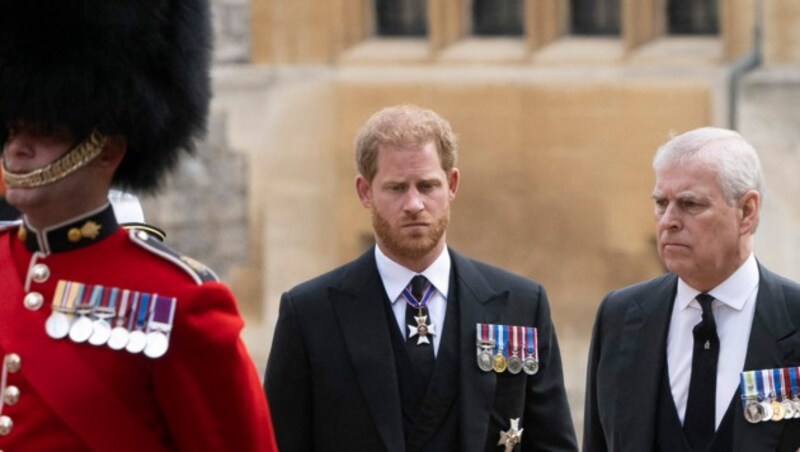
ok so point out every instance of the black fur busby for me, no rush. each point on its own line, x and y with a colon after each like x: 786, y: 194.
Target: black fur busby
x: 139, y: 68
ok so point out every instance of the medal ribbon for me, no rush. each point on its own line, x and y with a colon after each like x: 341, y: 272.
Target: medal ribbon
x: 162, y: 314
x: 418, y: 303
x: 134, y: 306
x: 144, y: 304
x: 759, y: 385
x: 531, y: 342
x: 778, y: 381
x: 793, y: 379
x: 123, y: 307
x: 768, y: 383
x: 501, y: 339
x: 515, y: 333
x: 58, y: 297
x: 748, y: 385
x: 492, y: 342
x: 787, y: 389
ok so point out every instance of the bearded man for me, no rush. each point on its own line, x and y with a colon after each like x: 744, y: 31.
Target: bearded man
x: 412, y: 346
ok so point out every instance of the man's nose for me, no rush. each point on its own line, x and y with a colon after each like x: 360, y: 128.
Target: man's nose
x: 413, y: 203
x: 670, y: 218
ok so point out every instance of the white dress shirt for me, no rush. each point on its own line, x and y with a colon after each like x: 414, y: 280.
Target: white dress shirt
x: 733, y: 306
x: 396, y: 278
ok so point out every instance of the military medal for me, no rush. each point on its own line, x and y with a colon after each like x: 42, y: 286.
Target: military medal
x: 119, y: 334
x: 159, y: 326
x: 81, y: 328
x: 485, y: 345
x: 500, y: 364
x: 137, y: 340
x: 58, y: 324
x: 512, y: 436
x: 794, y: 391
x: 422, y: 329
x: 103, y: 312
x: 530, y: 364
x: 514, y: 361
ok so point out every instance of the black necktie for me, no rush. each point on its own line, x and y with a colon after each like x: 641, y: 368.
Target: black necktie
x: 698, y: 424
x: 421, y: 354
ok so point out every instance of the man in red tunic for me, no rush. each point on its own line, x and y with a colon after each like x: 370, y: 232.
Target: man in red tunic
x: 110, y: 340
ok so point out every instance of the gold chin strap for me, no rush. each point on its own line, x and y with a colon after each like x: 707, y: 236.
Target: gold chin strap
x: 77, y: 157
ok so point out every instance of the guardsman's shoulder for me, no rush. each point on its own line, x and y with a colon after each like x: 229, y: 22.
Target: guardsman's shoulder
x: 9, y: 225
x: 199, y: 272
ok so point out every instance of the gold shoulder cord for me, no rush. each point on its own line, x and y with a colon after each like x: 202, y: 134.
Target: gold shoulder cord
x: 77, y: 157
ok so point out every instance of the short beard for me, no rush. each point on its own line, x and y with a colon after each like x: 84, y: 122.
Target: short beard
x: 414, y: 248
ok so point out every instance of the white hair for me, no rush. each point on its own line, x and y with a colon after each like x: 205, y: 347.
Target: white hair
x: 723, y: 151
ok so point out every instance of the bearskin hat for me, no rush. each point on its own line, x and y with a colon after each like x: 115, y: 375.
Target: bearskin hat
x: 139, y: 68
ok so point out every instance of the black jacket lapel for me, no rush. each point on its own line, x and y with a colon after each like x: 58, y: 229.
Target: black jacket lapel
x: 362, y: 319
x: 641, y: 364
x: 772, y: 344
x: 477, y: 388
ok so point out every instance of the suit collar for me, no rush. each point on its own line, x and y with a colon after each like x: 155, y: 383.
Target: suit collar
x: 357, y: 302
x: 476, y: 301
x: 773, y: 343
x: 642, y: 356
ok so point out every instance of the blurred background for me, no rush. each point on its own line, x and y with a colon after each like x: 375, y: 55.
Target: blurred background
x: 559, y: 106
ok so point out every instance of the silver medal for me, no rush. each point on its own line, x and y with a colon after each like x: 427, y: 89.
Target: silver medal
x: 101, y: 332
x: 119, y: 338
x: 136, y: 342
x: 57, y: 325
x: 514, y: 364
x: 485, y: 360
x: 530, y: 365
x: 81, y: 329
x: 767, y: 411
x: 753, y: 411
x: 788, y: 409
x: 157, y: 344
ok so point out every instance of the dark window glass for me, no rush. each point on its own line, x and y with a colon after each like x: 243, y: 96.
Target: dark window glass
x: 401, y: 17
x: 497, y: 17
x: 595, y: 17
x: 692, y: 17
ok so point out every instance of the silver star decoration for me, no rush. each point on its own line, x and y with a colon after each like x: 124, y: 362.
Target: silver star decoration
x: 426, y: 330
x: 512, y: 437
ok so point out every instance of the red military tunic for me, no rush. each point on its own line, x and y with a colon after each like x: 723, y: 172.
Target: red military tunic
x: 202, y: 394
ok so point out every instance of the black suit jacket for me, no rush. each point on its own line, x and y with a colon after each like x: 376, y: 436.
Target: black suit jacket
x: 331, y: 378
x: 628, y: 353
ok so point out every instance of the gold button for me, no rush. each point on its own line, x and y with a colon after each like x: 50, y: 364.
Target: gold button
x: 40, y: 273
x: 74, y: 235
x: 13, y: 362
x: 11, y: 395
x: 33, y: 301
x: 5, y: 425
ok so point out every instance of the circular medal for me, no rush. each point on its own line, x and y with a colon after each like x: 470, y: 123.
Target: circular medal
x: 119, y: 338
x: 485, y: 361
x: 101, y: 332
x: 514, y: 364
x: 788, y: 409
x: 57, y: 325
x: 499, y: 363
x: 796, y: 405
x: 530, y: 365
x: 136, y: 342
x: 81, y: 329
x: 777, y: 411
x: 753, y: 412
x: 767, y: 411
x: 157, y: 344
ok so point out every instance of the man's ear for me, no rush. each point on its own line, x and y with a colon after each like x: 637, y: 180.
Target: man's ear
x: 114, y: 151
x: 452, y: 182
x: 364, y: 191
x: 749, y: 207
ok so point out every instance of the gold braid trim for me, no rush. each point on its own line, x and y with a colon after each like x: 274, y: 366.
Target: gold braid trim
x: 77, y: 157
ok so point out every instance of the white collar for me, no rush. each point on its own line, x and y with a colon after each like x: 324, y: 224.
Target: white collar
x: 733, y: 292
x: 396, y: 277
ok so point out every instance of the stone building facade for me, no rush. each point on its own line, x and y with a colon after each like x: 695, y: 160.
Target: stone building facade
x: 558, y: 117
